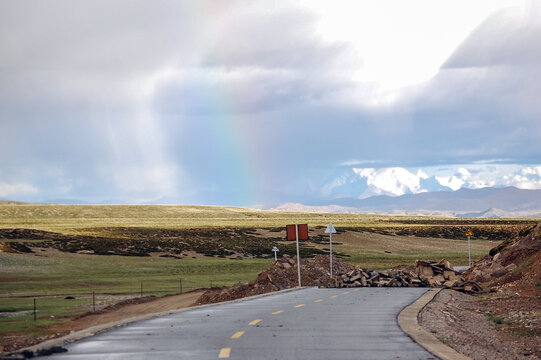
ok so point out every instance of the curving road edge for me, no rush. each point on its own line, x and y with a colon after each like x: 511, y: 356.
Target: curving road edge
x: 408, y: 321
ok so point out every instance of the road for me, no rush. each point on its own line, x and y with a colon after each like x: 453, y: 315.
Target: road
x: 308, y: 323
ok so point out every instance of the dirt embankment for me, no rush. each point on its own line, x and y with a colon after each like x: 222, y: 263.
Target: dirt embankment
x: 485, y: 328
x: 504, y: 324
x: 514, y: 265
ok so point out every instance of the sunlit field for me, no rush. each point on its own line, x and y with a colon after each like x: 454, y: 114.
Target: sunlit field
x: 116, y: 251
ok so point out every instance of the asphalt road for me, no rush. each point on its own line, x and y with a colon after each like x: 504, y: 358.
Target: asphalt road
x: 305, y: 324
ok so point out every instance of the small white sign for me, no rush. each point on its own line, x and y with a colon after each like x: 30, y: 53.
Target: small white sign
x: 275, y: 249
x: 330, y: 229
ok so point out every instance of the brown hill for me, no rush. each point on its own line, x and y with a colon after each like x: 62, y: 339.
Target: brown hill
x: 514, y: 264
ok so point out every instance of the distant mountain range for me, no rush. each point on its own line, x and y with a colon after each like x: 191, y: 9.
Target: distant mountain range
x: 509, y: 202
x: 487, y: 202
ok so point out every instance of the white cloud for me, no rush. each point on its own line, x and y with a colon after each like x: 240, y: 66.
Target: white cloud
x: 327, y: 189
x: 387, y: 30
x: 354, y: 162
x: 7, y: 190
x: 536, y: 170
x: 396, y: 181
x: 421, y: 174
x: 452, y: 182
x: 480, y: 176
x: 390, y: 181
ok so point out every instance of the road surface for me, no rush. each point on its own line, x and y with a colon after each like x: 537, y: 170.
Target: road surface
x: 309, y: 323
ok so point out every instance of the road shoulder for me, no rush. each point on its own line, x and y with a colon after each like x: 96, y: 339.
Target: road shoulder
x: 408, y: 321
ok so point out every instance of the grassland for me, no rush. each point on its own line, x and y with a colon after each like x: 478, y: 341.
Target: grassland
x: 74, y: 250
x: 54, y: 275
x: 84, y: 219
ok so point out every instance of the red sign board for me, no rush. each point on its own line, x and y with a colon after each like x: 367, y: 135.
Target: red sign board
x: 303, y: 232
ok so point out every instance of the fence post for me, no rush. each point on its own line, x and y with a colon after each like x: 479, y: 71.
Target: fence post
x: 93, y: 301
x: 141, y: 288
x: 180, y: 285
x: 34, y: 309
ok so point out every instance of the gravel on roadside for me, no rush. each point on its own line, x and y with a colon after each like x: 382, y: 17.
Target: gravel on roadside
x: 486, y: 327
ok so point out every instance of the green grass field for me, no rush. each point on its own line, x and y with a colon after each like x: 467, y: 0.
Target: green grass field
x: 222, y: 245
x: 111, y: 277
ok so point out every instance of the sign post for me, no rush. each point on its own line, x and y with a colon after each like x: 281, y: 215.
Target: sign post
x: 298, y: 253
x: 275, y: 249
x: 330, y: 230
x: 469, y: 234
x: 297, y: 232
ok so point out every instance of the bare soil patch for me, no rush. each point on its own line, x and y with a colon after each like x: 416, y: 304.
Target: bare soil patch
x: 503, y: 324
x: 486, y: 328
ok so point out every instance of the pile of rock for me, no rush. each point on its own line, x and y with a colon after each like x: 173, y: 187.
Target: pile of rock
x: 370, y: 278
x: 442, y: 274
x: 424, y: 274
x: 283, y: 274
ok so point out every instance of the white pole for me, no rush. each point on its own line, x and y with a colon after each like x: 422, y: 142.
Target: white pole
x: 469, y: 252
x: 298, y: 253
x: 330, y: 246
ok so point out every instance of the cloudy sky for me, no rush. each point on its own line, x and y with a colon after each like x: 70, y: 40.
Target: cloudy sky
x: 260, y: 102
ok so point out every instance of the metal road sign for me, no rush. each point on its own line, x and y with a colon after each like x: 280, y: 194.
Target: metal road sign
x: 275, y: 249
x: 291, y: 232
x: 330, y: 229
x: 469, y: 234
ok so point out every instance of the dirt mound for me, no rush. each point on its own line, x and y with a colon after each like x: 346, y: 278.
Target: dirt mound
x: 315, y: 272
x: 515, y: 263
x: 282, y: 274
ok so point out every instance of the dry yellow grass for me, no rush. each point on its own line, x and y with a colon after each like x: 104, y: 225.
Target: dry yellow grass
x: 78, y: 219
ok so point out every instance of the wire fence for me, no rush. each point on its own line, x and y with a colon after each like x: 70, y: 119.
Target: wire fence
x: 34, y: 307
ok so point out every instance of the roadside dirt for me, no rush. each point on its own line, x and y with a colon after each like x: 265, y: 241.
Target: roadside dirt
x: 281, y: 275
x: 486, y: 327
x: 123, y: 310
x: 502, y: 324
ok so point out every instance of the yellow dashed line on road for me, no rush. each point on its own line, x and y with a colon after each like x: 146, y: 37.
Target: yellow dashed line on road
x: 237, y: 335
x: 318, y: 300
x: 277, y: 312
x: 345, y: 292
x: 255, y: 321
x: 224, y: 353
x: 300, y: 305
x: 334, y: 296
